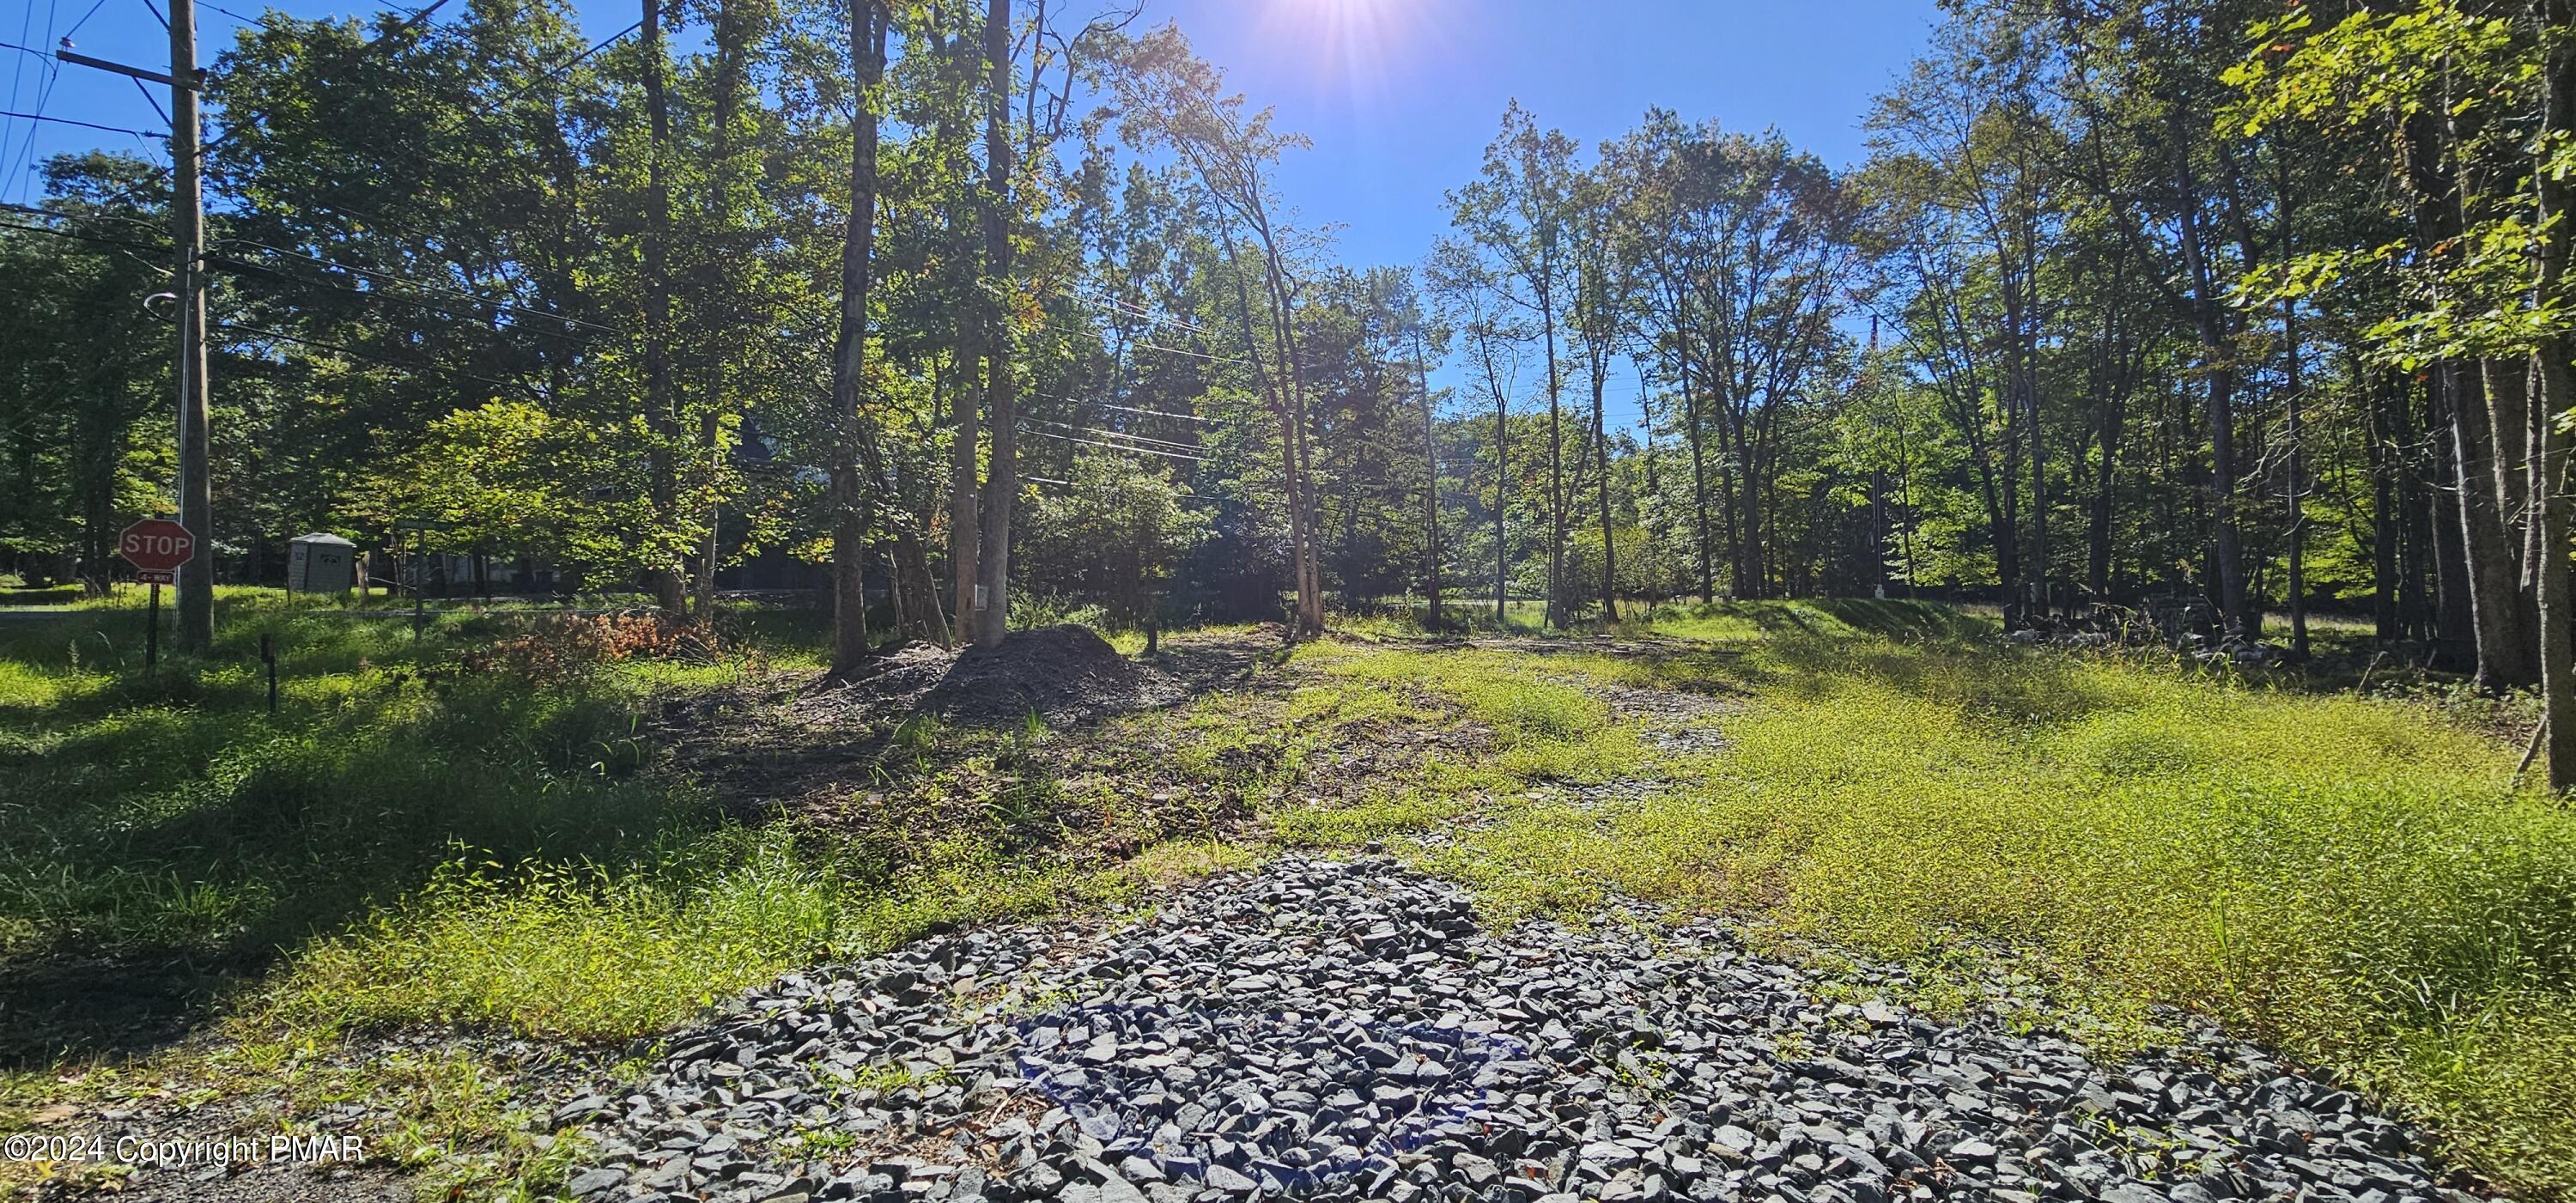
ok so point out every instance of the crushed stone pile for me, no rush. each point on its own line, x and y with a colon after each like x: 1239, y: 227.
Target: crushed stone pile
x: 1345, y: 1030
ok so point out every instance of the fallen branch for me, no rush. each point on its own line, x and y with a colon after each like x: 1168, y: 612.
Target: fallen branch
x: 2529, y: 751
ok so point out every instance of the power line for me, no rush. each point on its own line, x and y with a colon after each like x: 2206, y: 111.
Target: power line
x: 409, y: 23
x: 1046, y: 434
x: 556, y: 72
x: 80, y: 237
x: 1115, y: 305
x: 93, y: 11
x: 503, y: 306
x: 1138, y: 438
x: 262, y: 22
x: 105, y: 129
x: 58, y: 215
x: 373, y: 358
x: 1159, y: 413
x: 239, y: 265
x: 1192, y: 354
x: 44, y: 96
x: 150, y: 99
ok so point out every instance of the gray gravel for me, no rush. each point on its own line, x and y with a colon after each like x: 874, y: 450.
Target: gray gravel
x: 1335, y: 1030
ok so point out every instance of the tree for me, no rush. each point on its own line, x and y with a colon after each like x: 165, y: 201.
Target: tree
x: 1117, y: 531
x: 1516, y: 211
x: 84, y: 368
x: 1174, y: 102
x: 1472, y: 300
x: 868, y: 28
x: 2474, y: 101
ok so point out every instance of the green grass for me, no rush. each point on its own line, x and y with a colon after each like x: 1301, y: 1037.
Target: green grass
x: 411, y: 842
x: 407, y: 844
x: 2349, y: 879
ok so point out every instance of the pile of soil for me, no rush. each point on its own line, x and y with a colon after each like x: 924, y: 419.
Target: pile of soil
x: 1063, y: 674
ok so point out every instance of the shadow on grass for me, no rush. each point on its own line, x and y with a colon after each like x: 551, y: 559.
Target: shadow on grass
x: 164, y: 839
x: 1909, y: 620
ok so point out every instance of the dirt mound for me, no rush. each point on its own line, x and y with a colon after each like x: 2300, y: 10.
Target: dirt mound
x: 1063, y: 674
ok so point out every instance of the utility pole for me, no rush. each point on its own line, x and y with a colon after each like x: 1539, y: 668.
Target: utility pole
x: 196, y: 579
x: 188, y: 238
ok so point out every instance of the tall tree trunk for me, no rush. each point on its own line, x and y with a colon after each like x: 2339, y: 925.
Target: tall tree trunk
x: 2504, y: 646
x: 2098, y: 532
x: 2026, y: 372
x: 2381, y: 459
x: 1691, y: 432
x: 1601, y: 460
x: 1727, y: 515
x: 1430, y: 489
x: 2455, y: 622
x: 1275, y: 394
x: 2005, y: 516
x: 849, y: 352
x: 2506, y: 383
x: 2557, y: 591
x: 1555, y: 469
x: 1301, y: 479
x: 2234, y: 602
x: 662, y: 416
x: 732, y: 30
x: 2298, y: 487
x: 991, y: 613
x: 1503, y: 483
x: 965, y: 520
x: 2418, y: 604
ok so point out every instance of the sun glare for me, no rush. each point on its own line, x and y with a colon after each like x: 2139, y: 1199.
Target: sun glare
x: 1355, y: 43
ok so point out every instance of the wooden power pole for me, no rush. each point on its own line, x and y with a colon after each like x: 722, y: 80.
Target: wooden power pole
x: 188, y: 238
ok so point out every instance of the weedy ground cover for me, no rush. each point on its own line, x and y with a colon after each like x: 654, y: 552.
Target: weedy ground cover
x: 477, y: 833
x: 2353, y: 879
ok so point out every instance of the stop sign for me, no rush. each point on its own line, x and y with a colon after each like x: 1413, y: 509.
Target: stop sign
x: 157, y: 546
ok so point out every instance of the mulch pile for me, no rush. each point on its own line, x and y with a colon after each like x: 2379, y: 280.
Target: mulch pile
x: 1062, y: 674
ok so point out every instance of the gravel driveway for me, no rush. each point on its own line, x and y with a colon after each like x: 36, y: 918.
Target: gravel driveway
x: 1345, y: 1030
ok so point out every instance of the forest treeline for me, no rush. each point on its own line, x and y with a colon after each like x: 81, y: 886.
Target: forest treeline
x: 2225, y: 299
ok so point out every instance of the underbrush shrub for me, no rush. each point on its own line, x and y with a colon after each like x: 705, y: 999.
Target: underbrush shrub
x: 1032, y: 609
x: 569, y: 647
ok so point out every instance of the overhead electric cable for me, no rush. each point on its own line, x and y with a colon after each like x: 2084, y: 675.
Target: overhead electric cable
x: 370, y: 273
x: 388, y: 294
x: 1047, y: 434
x: 373, y: 358
x: 105, y: 129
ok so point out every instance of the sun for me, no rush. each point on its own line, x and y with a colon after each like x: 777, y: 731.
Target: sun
x: 1354, y: 43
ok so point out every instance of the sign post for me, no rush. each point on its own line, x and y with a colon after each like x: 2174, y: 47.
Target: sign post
x: 410, y: 569
x: 156, y: 547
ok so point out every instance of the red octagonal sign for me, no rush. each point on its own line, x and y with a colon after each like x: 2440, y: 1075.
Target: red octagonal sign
x: 157, y: 546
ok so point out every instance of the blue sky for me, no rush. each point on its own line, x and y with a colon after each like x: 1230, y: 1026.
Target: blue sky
x: 1399, y: 96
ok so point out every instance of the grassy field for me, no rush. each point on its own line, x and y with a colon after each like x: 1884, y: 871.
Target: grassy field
x: 474, y: 833
x: 2350, y: 879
